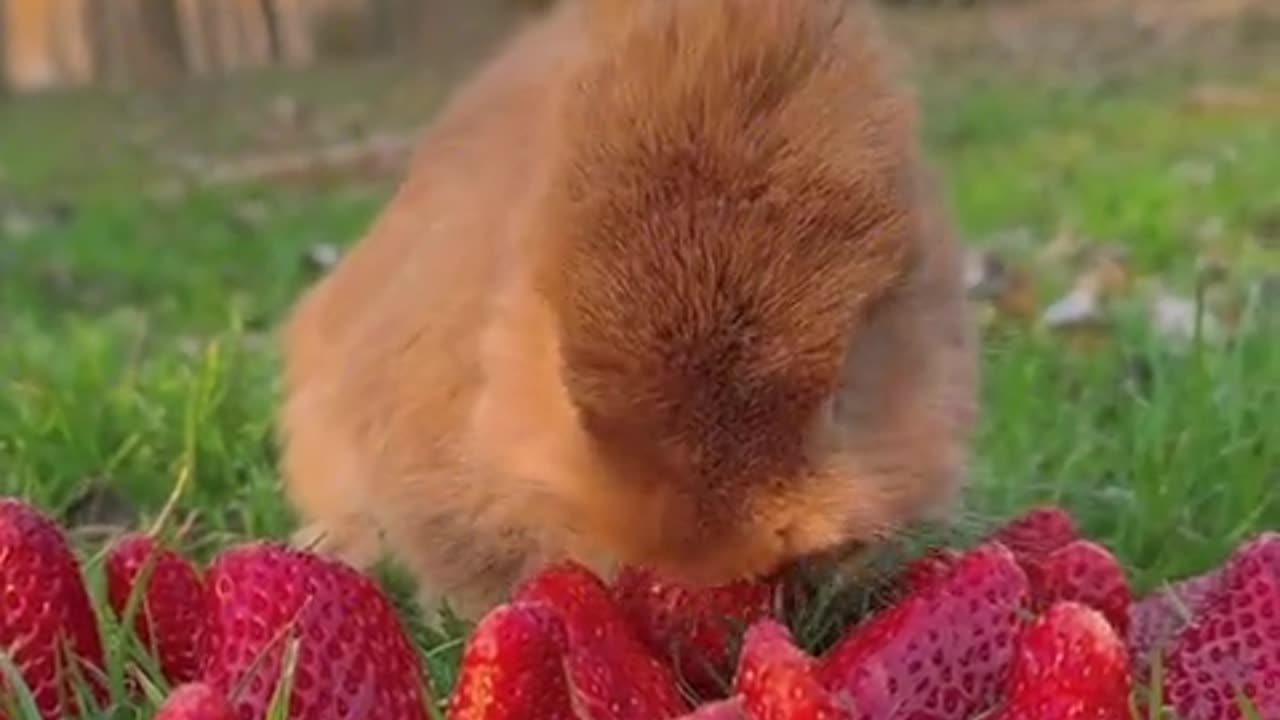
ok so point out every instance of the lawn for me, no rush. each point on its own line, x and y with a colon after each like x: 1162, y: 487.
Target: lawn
x: 136, y: 310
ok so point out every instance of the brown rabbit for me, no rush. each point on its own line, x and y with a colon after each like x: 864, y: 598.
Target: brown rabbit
x: 667, y: 285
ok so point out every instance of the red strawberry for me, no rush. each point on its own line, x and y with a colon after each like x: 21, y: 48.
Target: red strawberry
x: 196, y: 701
x: 612, y: 674
x: 778, y: 681
x: 696, y: 629
x: 1233, y: 645
x: 730, y: 709
x: 1070, y: 665
x: 354, y: 659
x: 512, y: 668
x: 172, y: 605
x: 927, y: 569
x: 941, y: 653
x: 1038, y: 532
x: 44, y: 610
x: 1159, y: 617
x: 1088, y: 573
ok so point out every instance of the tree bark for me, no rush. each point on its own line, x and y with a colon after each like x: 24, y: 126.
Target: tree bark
x: 29, y: 59
x: 194, y: 37
x: 253, y: 35
x: 226, y: 41
x: 4, y: 53
x: 162, y: 33
x: 73, y: 44
x: 292, y: 34
x: 137, y: 41
x: 395, y: 24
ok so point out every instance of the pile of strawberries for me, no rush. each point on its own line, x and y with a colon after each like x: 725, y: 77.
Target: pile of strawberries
x: 1034, y: 623
x: 221, y: 637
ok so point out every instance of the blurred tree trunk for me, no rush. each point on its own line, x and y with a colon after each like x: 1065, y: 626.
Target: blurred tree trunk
x: 252, y: 32
x: 159, y: 30
x: 223, y: 35
x: 291, y: 32
x: 74, y: 42
x: 4, y: 53
x: 534, y: 5
x: 45, y: 43
x: 192, y: 29
x: 28, y: 60
x: 137, y: 41
x: 452, y: 36
x: 57, y: 42
x: 242, y: 39
x: 397, y: 24
x: 109, y: 23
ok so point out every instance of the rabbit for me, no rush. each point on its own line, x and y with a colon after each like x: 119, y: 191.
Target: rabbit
x: 669, y: 283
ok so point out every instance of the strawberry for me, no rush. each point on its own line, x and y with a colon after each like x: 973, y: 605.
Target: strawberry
x: 45, y: 610
x: 1159, y: 617
x: 511, y: 668
x: 730, y: 709
x: 696, y: 628
x: 353, y: 659
x: 170, y: 615
x: 1084, y: 572
x: 1070, y: 665
x: 1233, y: 645
x: 778, y: 681
x: 1037, y: 533
x: 942, y: 652
x: 927, y: 569
x: 196, y: 701
x: 612, y: 674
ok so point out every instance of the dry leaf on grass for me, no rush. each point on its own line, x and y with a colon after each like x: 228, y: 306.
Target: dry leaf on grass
x: 250, y: 214
x: 287, y: 112
x: 17, y: 224
x: 1006, y: 291
x: 1066, y: 247
x: 1078, y: 308
x: 101, y: 510
x: 1112, y: 270
x: 322, y: 257
x: 1182, y: 320
x: 1078, y: 317
x: 378, y: 155
x: 1213, y: 98
x: 1081, y: 315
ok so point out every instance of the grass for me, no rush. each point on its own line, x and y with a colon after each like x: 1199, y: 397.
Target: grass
x: 135, y: 324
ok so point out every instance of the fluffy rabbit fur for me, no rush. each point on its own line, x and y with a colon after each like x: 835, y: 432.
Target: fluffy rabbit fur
x: 667, y: 284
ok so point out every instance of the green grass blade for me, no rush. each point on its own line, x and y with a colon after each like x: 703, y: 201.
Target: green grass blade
x: 23, y: 703
x: 279, y: 707
x: 1251, y: 711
